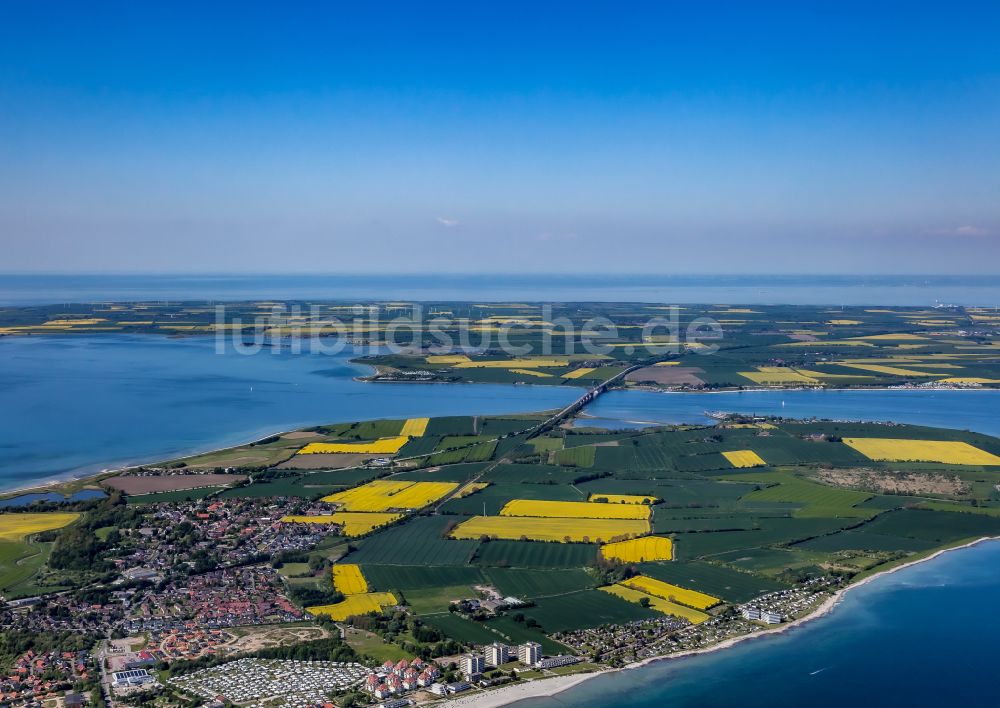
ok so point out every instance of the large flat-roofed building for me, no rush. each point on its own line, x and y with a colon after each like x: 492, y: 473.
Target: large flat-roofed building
x: 132, y: 677
x: 555, y: 661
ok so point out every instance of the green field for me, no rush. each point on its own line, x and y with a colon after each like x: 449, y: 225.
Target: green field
x: 20, y: 563
x: 864, y: 541
x: 585, y: 608
x: 437, y: 599
x: 419, y: 577
x: 935, y: 526
x: 716, y: 580
x: 530, y: 584
x: 813, y: 500
x: 417, y: 542
x: 528, y: 554
x: 575, y: 456
x: 185, y: 495
x: 771, y: 532
x: 461, y: 629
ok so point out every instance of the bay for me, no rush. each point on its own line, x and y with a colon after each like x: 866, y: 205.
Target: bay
x: 77, y: 405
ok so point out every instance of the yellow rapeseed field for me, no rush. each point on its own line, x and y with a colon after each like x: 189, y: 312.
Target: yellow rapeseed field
x: 657, y: 603
x: 674, y: 593
x: 353, y: 523
x: 744, y: 458
x: 638, y: 550
x: 348, y: 579
x: 447, y: 359
x: 524, y: 363
x: 15, y: 527
x: 573, y: 510
x: 382, y: 495
x: 623, y: 498
x: 382, y: 446
x: 529, y: 372
x: 534, y: 529
x: 828, y: 343
x: 845, y: 322
x: 355, y: 605
x: 777, y: 376
x: 415, y: 427
x: 72, y: 323
x: 820, y: 375
x: 577, y: 373
x: 889, y: 370
x: 898, y: 337
x: 949, y: 452
x: 969, y: 380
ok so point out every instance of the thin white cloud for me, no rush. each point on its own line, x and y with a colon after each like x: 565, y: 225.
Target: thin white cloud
x: 446, y: 221
x: 964, y: 231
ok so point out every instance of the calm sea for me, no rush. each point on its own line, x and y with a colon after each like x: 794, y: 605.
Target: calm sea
x: 763, y: 289
x: 83, y: 404
x: 965, y: 410
x: 926, y: 635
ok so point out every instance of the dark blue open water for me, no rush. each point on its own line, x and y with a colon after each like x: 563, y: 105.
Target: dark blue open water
x: 927, y: 635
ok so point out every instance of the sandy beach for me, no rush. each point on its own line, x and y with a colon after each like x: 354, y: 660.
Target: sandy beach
x: 553, y: 686
x: 518, y: 692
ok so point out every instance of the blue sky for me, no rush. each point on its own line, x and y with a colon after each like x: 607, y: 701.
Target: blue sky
x: 532, y: 137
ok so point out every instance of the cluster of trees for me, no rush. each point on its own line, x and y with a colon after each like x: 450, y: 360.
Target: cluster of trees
x: 14, y: 643
x: 410, y: 633
x: 612, y: 571
x: 307, y: 596
x: 77, y: 548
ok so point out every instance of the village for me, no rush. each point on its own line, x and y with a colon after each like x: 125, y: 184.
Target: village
x: 37, y: 677
x: 617, y: 645
x: 209, y: 535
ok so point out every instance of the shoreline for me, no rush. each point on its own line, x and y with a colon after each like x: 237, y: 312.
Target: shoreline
x: 84, y: 478
x: 549, y: 688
